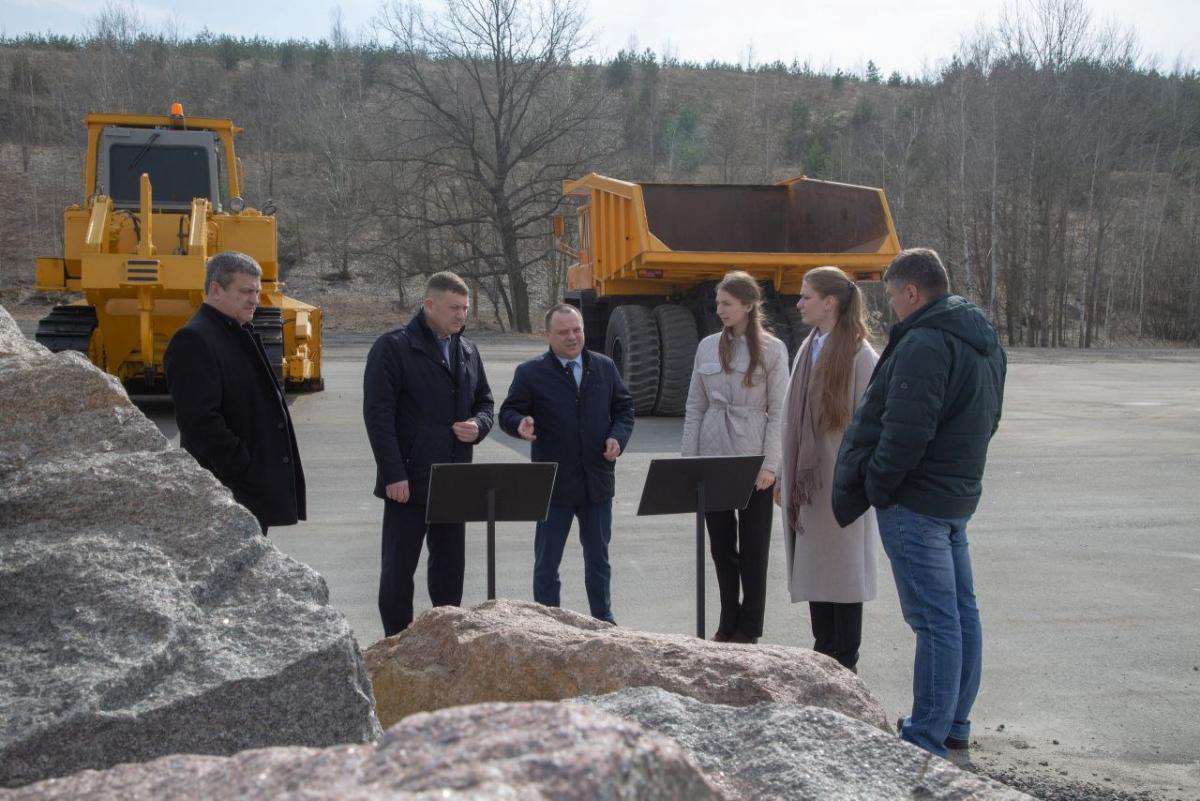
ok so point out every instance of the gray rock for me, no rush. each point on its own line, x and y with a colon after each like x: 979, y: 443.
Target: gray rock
x: 495, y: 751
x: 54, y: 404
x: 141, y: 611
x: 785, y: 751
x: 521, y: 651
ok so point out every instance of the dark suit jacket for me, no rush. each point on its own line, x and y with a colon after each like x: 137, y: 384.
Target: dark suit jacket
x: 410, y: 399
x: 232, y: 416
x: 571, y: 426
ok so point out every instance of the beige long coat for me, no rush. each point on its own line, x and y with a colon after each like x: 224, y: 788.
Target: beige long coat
x: 726, y: 418
x: 828, y: 562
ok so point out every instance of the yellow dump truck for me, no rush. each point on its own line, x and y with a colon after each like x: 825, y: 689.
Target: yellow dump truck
x: 161, y: 195
x: 648, y: 257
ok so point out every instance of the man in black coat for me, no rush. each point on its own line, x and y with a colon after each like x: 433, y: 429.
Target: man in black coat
x: 229, y: 404
x: 574, y: 408
x: 916, y: 451
x: 426, y: 401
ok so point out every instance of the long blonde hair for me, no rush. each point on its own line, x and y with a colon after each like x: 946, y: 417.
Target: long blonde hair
x: 835, y: 365
x: 744, y: 288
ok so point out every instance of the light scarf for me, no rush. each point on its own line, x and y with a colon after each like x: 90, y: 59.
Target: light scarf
x: 802, y: 452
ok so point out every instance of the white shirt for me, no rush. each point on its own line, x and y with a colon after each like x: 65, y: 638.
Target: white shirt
x: 576, y: 366
x: 818, y: 343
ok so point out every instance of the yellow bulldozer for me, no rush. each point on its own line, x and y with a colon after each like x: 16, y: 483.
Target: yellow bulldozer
x: 648, y: 257
x: 161, y: 195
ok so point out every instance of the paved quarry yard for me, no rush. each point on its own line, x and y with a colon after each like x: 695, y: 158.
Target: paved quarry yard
x: 1086, y: 556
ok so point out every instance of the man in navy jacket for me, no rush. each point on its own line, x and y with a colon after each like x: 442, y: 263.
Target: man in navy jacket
x: 572, y: 405
x: 426, y: 401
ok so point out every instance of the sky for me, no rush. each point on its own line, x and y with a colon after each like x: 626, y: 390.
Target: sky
x: 911, y: 36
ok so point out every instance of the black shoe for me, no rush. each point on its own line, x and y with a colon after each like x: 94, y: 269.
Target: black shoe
x: 742, y: 638
x: 951, y: 743
x: 720, y: 636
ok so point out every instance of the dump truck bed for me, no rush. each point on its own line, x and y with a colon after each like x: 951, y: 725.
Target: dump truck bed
x: 659, y: 239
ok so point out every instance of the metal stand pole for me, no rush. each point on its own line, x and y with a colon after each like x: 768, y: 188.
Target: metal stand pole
x: 491, y: 544
x: 700, y: 560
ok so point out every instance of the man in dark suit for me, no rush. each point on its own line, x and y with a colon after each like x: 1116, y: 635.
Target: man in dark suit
x: 572, y: 405
x: 229, y: 404
x: 426, y: 401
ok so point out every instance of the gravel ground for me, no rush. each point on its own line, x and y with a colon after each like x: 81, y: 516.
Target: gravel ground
x: 1065, y: 776
x: 1047, y: 788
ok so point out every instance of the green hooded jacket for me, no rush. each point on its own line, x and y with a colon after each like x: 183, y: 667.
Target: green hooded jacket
x: 920, y: 435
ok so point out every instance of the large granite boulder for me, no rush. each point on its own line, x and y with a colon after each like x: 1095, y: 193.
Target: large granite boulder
x: 521, y: 651
x: 57, y: 404
x: 785, y: 751
x: 493, y: 751
x: 143, y: 613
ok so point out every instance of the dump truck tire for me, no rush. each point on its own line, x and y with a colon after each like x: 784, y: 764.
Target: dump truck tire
x: 67, y: 328
x: 632, y: 342
x: 797, y: 330
x: 268, y: 323
x: 707, y: 321
x: 677, y: 340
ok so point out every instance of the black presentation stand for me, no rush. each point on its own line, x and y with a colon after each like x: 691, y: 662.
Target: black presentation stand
x: 699, y: 484
x: 473, y: 493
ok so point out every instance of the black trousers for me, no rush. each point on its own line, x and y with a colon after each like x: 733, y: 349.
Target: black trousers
x: 740, y: 543
x: 404, y: 530
x: 837, y: 631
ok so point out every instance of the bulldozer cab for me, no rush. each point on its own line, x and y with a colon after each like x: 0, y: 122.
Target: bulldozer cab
x: 182, y: 165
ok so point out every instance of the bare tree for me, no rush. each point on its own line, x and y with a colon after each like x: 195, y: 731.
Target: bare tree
x: 491, y: 112
x: 1055, y: 168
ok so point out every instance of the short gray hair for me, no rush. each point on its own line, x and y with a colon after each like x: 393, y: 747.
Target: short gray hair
x: 224, y: 266
x: 922, y: 268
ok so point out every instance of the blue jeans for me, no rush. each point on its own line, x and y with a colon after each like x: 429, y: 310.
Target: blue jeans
x: 595, y: 530
x: 932, y: 569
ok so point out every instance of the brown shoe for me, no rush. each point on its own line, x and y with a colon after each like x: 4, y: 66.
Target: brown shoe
x: 720, y: 636
x: 742, y: 638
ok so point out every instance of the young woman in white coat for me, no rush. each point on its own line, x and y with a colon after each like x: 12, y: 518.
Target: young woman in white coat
x: 735, y: 408
x: 832, y: 568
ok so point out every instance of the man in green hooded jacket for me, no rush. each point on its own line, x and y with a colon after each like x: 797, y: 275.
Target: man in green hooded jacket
x: 916, y: 450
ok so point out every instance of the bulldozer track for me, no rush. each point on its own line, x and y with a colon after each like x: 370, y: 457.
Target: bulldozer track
x: 67, y: 328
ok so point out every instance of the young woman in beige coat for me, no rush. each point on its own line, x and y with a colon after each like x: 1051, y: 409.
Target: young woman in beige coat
x: 735, y: 408
x: 831, y: 567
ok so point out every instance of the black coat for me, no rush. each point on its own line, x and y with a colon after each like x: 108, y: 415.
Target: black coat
x: 571, y: 427
x: 920, y: 435
x: 410, y: 399
x: 232, y: 415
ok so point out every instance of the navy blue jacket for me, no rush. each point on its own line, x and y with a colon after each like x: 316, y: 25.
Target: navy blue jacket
x: 411, y: 397
x: 571, y: 427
